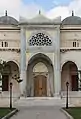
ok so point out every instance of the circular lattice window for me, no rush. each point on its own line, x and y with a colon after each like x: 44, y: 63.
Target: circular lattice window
x: 40, y: 39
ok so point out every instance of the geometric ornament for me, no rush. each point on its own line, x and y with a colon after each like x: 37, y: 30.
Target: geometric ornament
x: 40, y: 39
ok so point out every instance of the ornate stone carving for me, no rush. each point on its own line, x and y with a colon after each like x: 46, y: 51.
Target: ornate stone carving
x: 40, y: 39
x: 66, y: 50
x: 10, y: 49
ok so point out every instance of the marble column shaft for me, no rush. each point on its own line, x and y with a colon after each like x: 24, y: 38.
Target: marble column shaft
x: 57, y: 73
x: 23, y: 61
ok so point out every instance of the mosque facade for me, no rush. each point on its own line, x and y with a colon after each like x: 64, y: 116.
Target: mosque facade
x: 41, y: 55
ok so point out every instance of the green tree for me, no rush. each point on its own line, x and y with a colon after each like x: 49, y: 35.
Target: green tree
x: 2, y: 66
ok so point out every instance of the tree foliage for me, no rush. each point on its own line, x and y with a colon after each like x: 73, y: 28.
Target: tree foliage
x: 2, y: 66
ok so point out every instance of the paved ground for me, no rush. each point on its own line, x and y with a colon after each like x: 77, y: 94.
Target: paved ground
x: 40, y: 112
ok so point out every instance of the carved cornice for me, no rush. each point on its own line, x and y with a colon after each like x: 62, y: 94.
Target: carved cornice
x: 10, y: 49
x: 66, y: 50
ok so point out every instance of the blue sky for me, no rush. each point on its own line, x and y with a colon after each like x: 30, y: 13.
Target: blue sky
x: 49, y: 8
x: 48, y: 4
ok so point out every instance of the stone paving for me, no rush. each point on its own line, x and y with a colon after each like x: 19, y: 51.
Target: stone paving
x: 37, y: 108
x: 40, y: 112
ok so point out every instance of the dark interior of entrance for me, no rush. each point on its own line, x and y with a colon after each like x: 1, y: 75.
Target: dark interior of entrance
x: 70, y: 74
x: 5, y: 82
x: 74, y: 79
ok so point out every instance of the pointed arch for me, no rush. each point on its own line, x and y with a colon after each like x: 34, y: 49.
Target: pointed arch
x: 69, y: 73
x: 48, y: 72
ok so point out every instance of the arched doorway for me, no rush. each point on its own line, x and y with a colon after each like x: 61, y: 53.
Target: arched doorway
x: 70, y: 74
x: 40, y: 79
x: 11, y: 70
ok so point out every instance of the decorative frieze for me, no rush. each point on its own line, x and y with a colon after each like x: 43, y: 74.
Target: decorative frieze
x: 66, y: 50
x: 10, y: 49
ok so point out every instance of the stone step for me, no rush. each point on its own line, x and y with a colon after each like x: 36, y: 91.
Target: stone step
x: 38, y: 101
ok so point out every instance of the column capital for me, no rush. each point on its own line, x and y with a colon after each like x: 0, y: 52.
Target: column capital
x: 22, y: 27
x: 23, y: 31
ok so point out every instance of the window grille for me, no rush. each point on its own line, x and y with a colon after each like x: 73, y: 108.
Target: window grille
x: 40, y: 39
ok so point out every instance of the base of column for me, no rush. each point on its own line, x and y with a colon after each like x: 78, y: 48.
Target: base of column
x: 23, y: 83
x: 57, y: 95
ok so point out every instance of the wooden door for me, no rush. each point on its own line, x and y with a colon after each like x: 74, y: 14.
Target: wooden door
x: 40, y: 86
x: 5, y: 79
x: 74, y: 82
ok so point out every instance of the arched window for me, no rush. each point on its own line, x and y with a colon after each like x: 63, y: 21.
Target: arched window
x: 40, y: 39
x: 74, y: 44
x: 2, y: 44
x: 6, y: 44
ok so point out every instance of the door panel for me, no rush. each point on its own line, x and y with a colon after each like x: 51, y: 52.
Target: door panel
x: 44, y: 84
x: 40, y: 86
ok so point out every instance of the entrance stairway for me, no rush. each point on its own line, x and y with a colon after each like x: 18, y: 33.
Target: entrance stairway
x: 73, y: 100
x: 40, y: 101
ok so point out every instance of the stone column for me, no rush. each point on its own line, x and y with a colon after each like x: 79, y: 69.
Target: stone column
x: 57, y: 70
x: 23, y: 61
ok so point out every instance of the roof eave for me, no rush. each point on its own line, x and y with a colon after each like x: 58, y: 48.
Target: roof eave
x: 42, y: 23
